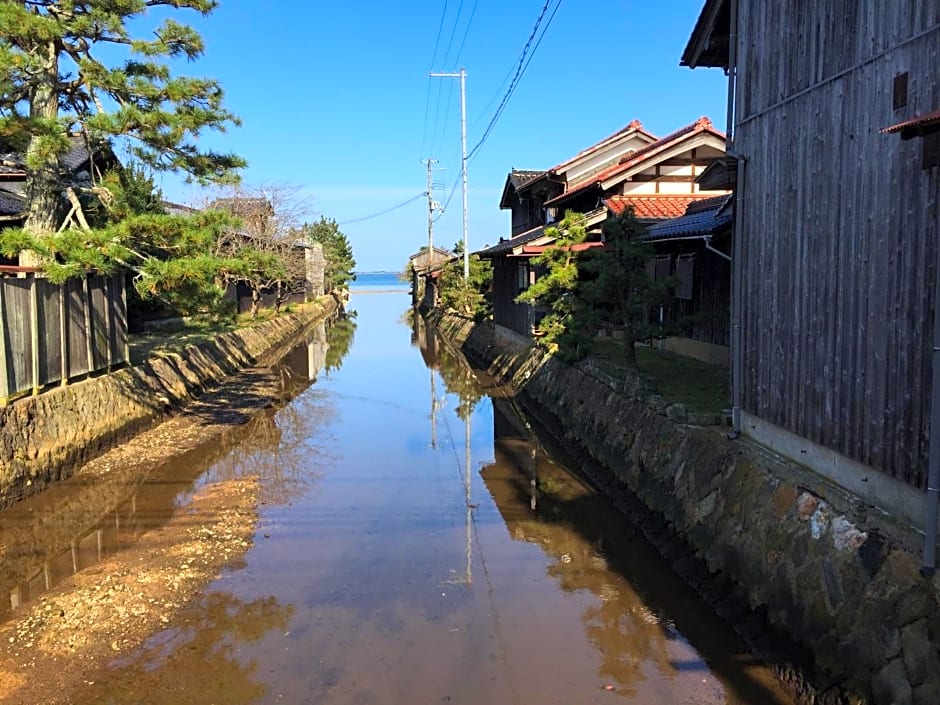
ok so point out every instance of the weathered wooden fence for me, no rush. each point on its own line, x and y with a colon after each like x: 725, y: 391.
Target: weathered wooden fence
x: 54, y: 332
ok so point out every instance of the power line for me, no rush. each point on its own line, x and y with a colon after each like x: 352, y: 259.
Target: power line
x: 387, y: 210
x: 453, y: 31
x: 427, y: 99
x: 524, y: 60
x: 463, y: 41
x: 453, y: 190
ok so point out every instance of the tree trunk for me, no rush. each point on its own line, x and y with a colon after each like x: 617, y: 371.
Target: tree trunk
x: 255, y: 303
x: 42, y: 175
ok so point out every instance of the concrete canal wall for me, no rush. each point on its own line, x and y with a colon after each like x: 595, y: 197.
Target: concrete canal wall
x: 796, y: 557
x: 43, y: 438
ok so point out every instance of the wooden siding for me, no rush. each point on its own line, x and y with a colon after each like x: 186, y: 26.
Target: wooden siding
x: 710, y: 306
x: 506, y: 312
x: 839, y: 224
x: 51, y: 333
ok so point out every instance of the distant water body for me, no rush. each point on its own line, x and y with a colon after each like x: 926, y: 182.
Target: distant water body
x: 378, y: 281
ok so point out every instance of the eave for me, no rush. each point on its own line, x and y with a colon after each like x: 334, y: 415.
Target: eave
x: 920, y: 126
x: 708, y: 45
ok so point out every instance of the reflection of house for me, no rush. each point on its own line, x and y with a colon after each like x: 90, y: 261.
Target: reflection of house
x: 836, y: 263
x: 425, y: 269
x: 656, y: 178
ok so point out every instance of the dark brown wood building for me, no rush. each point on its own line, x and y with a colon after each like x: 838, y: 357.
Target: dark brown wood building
x: 695, y: 250
x: 837, y: 219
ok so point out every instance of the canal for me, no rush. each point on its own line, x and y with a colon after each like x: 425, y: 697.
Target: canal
x: 416, y: 544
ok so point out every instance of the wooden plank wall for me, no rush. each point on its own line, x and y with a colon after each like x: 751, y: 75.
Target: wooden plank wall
x: 33, y: 328
x: 840, y: 224
x: 506, y: 312
x: 709, y: 310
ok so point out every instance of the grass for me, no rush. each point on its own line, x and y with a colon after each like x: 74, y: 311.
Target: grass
x: 703, y: 388
x: 180, y: 334
x: 173, y: 339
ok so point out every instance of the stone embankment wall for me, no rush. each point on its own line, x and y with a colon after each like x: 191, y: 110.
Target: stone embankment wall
x: 804, y: 563
x: 43, y: 438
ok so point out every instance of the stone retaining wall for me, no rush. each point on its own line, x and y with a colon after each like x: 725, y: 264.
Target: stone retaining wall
x: 43, y: 438
x: 812, y: 565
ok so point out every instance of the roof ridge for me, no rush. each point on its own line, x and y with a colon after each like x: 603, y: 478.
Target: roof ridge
x: 633, y: 126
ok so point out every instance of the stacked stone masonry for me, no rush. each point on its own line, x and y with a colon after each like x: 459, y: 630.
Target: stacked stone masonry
x: 813, y: 564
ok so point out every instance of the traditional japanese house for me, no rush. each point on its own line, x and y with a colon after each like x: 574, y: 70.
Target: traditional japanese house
x: 80, y: 168
x: 425, y: 270
x: 630, y: 169
x: 836, y: 136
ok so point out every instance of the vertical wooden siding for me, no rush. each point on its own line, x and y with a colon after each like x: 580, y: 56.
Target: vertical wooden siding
x: 840, y: 224
x: 506, y: 312
x: 91, y: 336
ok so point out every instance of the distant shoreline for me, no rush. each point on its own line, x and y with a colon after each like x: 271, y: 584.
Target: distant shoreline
x: 366, y: 290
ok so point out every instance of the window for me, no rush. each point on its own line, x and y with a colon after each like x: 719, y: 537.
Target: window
x: 900, y: 90
x: 522, y: 278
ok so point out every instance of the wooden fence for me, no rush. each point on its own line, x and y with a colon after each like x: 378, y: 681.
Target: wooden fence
x: 52, y: 333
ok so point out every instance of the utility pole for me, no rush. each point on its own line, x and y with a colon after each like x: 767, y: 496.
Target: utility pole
x: 431, y: 206
x: 462, y: 75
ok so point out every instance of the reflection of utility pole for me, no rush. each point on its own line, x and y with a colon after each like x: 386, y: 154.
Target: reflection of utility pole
x: 533, y: 479
x: 311, y: 364
x: 467, y: 498
x: 433, y: 412
x: 463, y: 162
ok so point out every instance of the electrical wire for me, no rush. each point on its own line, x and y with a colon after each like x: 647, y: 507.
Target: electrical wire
x: 453, y: 190
x: 525, y: 58
x: 453, y: 32
x: 463, y: 41
x: 423, y: 194
x: 427, y: 98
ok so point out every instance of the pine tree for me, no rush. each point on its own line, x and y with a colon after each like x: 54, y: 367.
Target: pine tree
x: 340, y: 263
x: 618, y: 289
x: 471, y: 296
x: 54, y: 82
x: 568, y: 323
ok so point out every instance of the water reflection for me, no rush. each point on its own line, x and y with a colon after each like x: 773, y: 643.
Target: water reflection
x: 642, y: 619
x: 460, y: 381
x: 198, y: 663
x: 79, y: 522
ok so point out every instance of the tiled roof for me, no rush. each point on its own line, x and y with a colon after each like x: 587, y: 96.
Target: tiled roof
x: 243, y: 205
x: 504, y: 246
x: 178, y: 208
x: 520, y: 177
x: 11, y: 204
x: 915, y: 127
x: 77, y: 155
x: 633, y: 126
x: 703, y: 124
x: 707, y: 216
x: 708, y: 45
x: 654, y: 206
x: 419, y: 260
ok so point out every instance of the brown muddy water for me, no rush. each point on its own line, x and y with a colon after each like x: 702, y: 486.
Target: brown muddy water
x: 416, y: 546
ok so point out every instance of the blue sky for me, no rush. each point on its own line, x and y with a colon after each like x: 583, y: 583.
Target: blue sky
x: 335, y: 98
